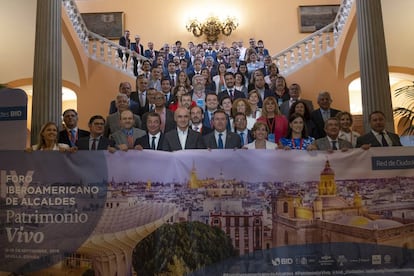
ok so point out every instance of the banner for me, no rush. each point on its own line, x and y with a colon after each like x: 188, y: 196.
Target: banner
x: 200, y: 212
x: 13, y: 119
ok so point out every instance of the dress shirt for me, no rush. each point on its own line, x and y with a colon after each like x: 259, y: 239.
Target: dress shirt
x: 91, y: 139
x: 378, y: 135
x: 197, y: 127
x: 245, y: 137
x: 142, y: 97
x: 157, y: 139
x: 331, y: 140
x: 223, y: 137
x: 182, y: 136
x: 326, y: 114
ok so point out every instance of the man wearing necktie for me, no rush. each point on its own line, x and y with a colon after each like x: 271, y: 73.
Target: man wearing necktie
x: 378, y: 136
x: 331, y: 142
x: 322, y: 114
x: 230, y: 91
x: 125, y: 137
x: 71, y: 133
x: 154, y: 138
x: 96, y: 140
x: 221, y: 138
x: 240, y: 127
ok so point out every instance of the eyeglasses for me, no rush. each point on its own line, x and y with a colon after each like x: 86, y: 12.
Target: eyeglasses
x: 98, y: 124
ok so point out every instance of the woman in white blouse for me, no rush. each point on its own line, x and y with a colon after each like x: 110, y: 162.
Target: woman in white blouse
x: 48, y: 138
x: 346, y: 132
x: 260, y: 131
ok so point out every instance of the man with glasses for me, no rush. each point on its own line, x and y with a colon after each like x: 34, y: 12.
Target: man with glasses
x: 96, y: 140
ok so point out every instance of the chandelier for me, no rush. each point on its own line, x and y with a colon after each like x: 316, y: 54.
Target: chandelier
x: 212, y: 27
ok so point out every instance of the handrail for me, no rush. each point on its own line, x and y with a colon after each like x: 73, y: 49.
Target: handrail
x: 109, y: 52
x: 314, y: 45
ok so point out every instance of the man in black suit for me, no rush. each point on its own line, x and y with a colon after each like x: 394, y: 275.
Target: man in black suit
x: 183, y: 137
x: 137, y: 49
x: 230, y: 91
x: 167, y: 116
x: 96, y: 140
x: 240, y: 128
x: 323, y: 113
x: 166, y: 89
x: 125, y: 88
x: 154, y: 138
x: 260, y: 87
x: 196, y: 118
x: 150, y: 53
x: 126, y: 42
x: 140, y: 96
x: 378, y: 136
x: 221, y: 138
x: 294, y: 93
x: 71, y: 133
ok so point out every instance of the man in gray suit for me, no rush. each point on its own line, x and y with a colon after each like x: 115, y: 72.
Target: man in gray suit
x: 112, y: 123
x: 294, y: 93
x: 221, y: 138
x: 378, y: 136
x: 331, y: 141
x: 182, y: 137
x: 126, y: 136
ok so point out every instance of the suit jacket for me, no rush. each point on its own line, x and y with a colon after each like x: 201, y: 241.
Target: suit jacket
x: 144, y: 141
x: 370, y: 138
x: 133, y: 106
x: 267, y: 93
x: 237, y: 94
x: 103, y: 144
x: 316, y: 117
x: 150, y: 54
x: 232, y: 140
x: 112, y: 123
x: 119, y: 136
x: 169, y: 121
x: 141, y: 109
x: 64, y: 136
x: 135, y: 47
x: 249, y: 137
x: 284, y: 108
x: 172, y: 142
x: 324, y: 144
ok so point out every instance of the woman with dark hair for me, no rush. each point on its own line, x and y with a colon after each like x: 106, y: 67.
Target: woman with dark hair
x: 210, y: 85
x: 297, y: 137
x: 219, y: 78
x: 302, y: 108
x: 183, y: 80
x: 240, y: 83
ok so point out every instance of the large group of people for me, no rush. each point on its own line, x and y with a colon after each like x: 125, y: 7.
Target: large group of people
x: 210, y: 96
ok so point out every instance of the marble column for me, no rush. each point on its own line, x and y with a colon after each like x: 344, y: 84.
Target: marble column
x: 375, y: 85
x: 47, y: 69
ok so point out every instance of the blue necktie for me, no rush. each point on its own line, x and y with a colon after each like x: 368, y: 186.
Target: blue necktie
x: 72, y: 137
x: 220, y: 141
x: 242, y: 137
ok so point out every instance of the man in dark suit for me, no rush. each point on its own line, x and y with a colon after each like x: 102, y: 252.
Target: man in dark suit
x: 71, y: 133
x: 323, y: 113
x: 378, y: 136
x: 183, y: 137
x: 331, y: 141
x: 240, y: 128
x: 125, y: 88
x: 230, y: 91
x: 221, y: 138
x: 166, y: 90
x: 260, y: 87
x: 96, y: 140
x: 125, y: 42
x: 196, y: 118
x: 154, y: 138
x: 137, y: 49
x: 140, y: 96
x: 294, y: 93
x: 167, y: 116
x: 150, y: 53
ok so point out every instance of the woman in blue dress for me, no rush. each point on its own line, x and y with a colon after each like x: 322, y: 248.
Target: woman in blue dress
x: 297, y: 137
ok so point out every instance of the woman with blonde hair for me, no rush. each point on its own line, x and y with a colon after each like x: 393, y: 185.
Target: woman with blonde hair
x: 260, y: 132
x: 48, y: 139
x: 345, y: 124
x: 243, y: 106
x: 275, y: 121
